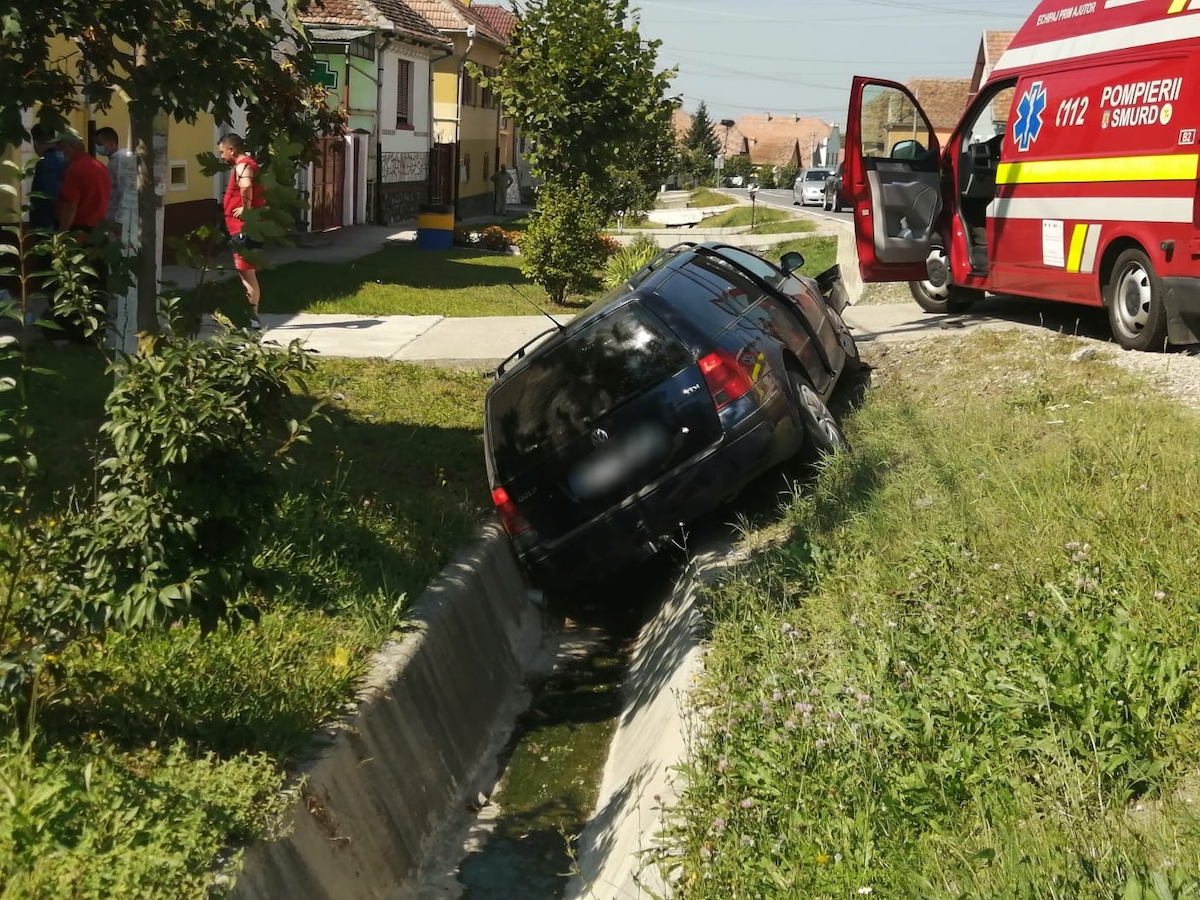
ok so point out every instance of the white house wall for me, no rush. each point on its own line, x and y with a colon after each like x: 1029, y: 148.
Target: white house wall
x: 404, y: 157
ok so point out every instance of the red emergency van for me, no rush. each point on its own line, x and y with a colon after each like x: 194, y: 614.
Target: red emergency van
x: 1071, y: 176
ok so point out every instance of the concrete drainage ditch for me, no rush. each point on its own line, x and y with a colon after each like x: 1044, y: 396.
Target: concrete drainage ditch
x: 404, y: 802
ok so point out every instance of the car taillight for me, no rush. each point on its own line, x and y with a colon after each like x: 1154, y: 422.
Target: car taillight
x: 726, y: 380
x: 510, y: 517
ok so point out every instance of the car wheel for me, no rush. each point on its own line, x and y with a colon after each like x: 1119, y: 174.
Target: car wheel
x: 946, y: 299
x: 821, y: 429
x: 1134, y: 299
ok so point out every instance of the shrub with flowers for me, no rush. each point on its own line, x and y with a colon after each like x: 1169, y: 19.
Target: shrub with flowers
x: 610, y: 243
x: 492, y: 237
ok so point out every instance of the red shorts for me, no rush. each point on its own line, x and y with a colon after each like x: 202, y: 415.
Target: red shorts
x: 240, y: 264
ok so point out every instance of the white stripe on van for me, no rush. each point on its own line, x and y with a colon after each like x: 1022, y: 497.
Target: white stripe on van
x: 1094, y: 209
x: 1113, y: 4
x: 1177, y: 28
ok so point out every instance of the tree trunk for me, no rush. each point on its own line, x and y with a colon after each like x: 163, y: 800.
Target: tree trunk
x: 150, y: 187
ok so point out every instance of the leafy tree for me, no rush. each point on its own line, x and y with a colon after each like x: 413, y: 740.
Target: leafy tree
x: 696, y: 165
x: 631, y: 185
x: 583, y: 84
x: 738, y: 164
x: 700, y: 136
x: 170, y: 58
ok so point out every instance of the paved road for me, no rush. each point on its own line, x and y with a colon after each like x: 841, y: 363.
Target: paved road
x: 783, y: 200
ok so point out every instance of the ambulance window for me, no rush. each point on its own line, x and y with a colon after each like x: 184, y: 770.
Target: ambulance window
x: 891, y: 126
x: 990, y: 117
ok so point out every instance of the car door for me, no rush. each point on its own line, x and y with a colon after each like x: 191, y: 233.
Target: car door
x: 893, y: 174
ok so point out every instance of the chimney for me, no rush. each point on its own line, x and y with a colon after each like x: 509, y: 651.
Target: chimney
x: 796, y: 116
x: 768, y: 117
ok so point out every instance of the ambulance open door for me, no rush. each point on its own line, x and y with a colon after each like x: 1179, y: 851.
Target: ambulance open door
x: 892, y: 169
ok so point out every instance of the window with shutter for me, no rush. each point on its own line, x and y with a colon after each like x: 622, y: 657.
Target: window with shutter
x: 404, y: 94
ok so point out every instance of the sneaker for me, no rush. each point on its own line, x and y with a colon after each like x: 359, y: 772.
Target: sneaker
x: 255, y: 325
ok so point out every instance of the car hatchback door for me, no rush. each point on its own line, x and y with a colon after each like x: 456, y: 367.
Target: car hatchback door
x: 579, y: 430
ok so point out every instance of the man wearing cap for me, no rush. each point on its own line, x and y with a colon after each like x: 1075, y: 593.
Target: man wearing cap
x: 82, y: 205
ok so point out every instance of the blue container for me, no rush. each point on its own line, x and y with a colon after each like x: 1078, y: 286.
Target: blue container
x: 435, y: 227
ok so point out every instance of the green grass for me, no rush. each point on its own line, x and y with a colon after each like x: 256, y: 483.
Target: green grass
x: 785, y: 226
x: 741, y: 215
x: 155, y: 749
x: 702, y: 197
x: 819, y: 253
x: 969, y: 669
x: 396, y: 281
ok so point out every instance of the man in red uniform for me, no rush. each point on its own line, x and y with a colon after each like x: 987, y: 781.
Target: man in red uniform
x: 82, y: 204
x: 244, y: 193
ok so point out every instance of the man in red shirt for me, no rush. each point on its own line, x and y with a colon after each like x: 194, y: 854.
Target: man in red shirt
x: 82, y: 204
x: 243, y: 194
x: 83, y: 197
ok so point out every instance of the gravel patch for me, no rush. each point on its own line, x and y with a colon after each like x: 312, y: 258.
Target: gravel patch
x: 886, y: 292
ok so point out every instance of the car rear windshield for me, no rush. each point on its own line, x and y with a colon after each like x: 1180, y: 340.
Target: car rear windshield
x: 541, y: 408
x: 815, y: 175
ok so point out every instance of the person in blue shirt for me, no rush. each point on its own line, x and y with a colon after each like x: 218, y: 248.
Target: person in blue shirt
x: 47, y: 178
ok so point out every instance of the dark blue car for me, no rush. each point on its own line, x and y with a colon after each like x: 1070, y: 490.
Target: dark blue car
x: 660, y: 402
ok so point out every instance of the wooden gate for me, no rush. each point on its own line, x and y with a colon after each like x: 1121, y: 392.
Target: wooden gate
x: 329, y: 184
x: 441, y: 173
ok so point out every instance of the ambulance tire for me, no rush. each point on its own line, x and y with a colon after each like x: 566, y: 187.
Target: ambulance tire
x: 1134, y: 299
x: 948, y: 300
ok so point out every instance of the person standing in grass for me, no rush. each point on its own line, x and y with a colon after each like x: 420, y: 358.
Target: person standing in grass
x: 501, y: 180
x: 244, y: 193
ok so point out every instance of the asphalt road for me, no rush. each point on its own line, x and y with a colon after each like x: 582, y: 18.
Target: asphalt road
x: 783, y: 200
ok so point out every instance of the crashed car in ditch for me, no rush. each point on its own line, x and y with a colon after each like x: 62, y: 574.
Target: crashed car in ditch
x: 658, y: 403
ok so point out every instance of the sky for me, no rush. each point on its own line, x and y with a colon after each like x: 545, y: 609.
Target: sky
x: 798, y: 56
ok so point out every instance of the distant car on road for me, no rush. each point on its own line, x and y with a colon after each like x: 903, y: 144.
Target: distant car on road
x: 836, y: 199
x: 661, y: 401
x: 809, y: 187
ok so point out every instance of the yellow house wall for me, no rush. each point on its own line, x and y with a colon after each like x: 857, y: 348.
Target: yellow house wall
x: 476, y: 129
x: 184, y: 139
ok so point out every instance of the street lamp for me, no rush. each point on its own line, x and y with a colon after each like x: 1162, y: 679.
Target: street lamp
x: 728, y: 123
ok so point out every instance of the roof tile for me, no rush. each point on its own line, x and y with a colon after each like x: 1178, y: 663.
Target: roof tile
x: 942, y: 99
x: 502, y: 20
x: 385, y: 14
x: 450, y: 15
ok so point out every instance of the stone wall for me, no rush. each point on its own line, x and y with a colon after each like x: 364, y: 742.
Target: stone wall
x: 404, y: 185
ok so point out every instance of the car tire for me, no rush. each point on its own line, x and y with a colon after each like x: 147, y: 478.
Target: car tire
x: 1133, y: 297
x: 821, y: 430
x: 950, y: 299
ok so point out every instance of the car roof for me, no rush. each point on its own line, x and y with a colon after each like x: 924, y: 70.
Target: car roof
x: 640, y: 286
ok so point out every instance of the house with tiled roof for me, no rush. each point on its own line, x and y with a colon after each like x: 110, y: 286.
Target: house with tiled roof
x: 769, y: 133
x: 467, y: 117
x: 943, y: 101
x: 375, y: 59
x: 991, y: 47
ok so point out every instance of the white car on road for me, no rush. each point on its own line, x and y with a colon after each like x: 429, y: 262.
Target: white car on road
x: 810, y: 187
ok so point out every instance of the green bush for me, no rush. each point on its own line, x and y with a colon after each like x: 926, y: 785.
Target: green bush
x: 562, y: 248
x: 631, y: 257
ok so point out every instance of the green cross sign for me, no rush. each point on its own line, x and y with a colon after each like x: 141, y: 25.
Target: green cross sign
x: 325, y: 75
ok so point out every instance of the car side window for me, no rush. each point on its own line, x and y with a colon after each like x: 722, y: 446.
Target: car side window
x: 707, y: 302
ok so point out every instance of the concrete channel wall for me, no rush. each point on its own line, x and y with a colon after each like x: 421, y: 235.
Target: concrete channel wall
x: 408, y: 757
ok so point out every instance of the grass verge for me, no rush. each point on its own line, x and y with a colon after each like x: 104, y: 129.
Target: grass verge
x: 819, y: 253
x: 970, y: 671
x: 702, y: 197
x: 733, y: 218
x: 153, y: 750
x: 785, y: 226
x: 396, y: 281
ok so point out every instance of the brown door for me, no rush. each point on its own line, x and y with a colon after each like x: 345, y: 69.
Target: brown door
x: 441, y: 173
x: 329, y: 182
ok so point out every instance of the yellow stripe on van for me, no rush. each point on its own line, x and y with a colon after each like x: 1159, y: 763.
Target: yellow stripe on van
x: 1176, y: 6
x: 1167, y: 167
x: 1075, y: 255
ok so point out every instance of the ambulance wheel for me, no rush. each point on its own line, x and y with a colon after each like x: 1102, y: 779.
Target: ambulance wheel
x: 1134, y: 299
x: 948, y: 299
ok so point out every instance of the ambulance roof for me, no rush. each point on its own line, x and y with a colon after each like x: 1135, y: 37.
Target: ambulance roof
x: 1060, y: 30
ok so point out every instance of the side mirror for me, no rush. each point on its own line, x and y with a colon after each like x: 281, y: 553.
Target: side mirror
x: 791, y: 261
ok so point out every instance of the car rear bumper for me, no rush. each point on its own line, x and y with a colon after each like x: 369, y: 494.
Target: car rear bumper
x: 1182, y: 299
x: 607, y: 542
